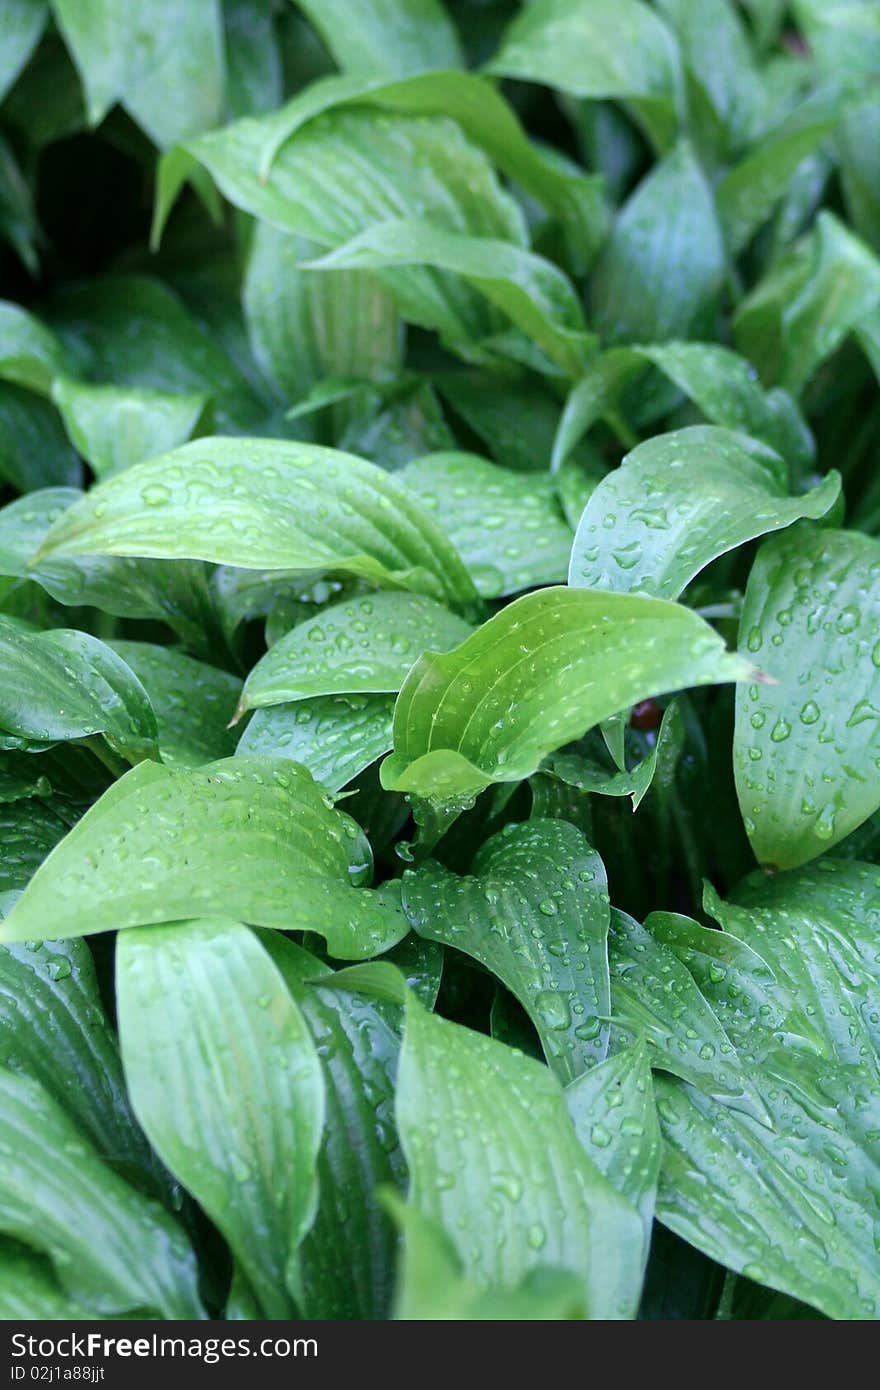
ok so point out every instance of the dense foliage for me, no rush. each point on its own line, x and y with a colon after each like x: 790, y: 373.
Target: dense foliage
x: 440, y: 659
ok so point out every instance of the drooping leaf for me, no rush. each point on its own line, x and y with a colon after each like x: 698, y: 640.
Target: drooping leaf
x: 345, y: 1263
x: 226, y: 1081
x: 807, y: 748
x: 535, y: 913
x: 334, y: 736
x: 249, y: 836
x: 266, y: 504
x: 112, y: 1249
x: 598, y: 49
x: 661, y: 272
x: 66, y: 684
x: 360, y: 646
x: 114, y: 427
x: 677, y: 502
x: 535, y: 677
x: 192, y: 702
x: 506, y: 526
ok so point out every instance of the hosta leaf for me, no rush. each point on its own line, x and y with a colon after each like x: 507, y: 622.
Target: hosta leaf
x: 843, y: 34
x: 30, y: 353
x: 661, y: 271
x: 113, y: 427
x: 579, y: 768
x: 816, y: 929
x: 719, y: 382
x: 29, y: 1289
x: 360, y: 646
x: 192, y: 702
x: 226, y: 1081
x: 34, y: 452
x: 514, y: 415
x: 266, y: 504
x: 491, y: 1152
x: 253, y: 58
x: 798, y: 316
x: 23, y: 25
x: 535, y: 913
x: 18, y: 221
x: 249, y: 836
x: 163, y: 61
x: 534, y: 294
x: 612, y: 1108
x: 392, y: 166
x: 131, y: 330
x: 794, y: 1206
x: 30, y: 829
x: 334, y: 736
x: 53, y: 1029
x: 748, y: 193
x: 304, y: 327
x: 716, y: 52
x: 677, y: 502
x: 654, y: 997
x: 431, y: 1286
x: 113, y: 1250
x: 388, y: 37
x: 597, y: 49
x: 535, y: 677
x: 858, y: 146
x: 346, y: 1261
x: 506, y: 526
x: 66, y: 684
x: 807, y: 748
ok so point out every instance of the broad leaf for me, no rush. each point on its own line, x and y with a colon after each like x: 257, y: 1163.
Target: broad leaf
x: 23, y: 24
x: 535, y: 677
x: 192, y: 702
x: 34, y: 452
x: 281, y: 506
x: 29, y: 1289
x: 359, y: 646
x: 506, y: 526
x: 387, y: 37
x: 30, y: 353
x: 226, y: 1081
x: 677, y: 502
x: 113, y: 427
x: 535, y: 913
x: 65, y: 684
x: 807, y: 747
x: 334, y: 736
x: 113, y: 1250
x: 247, y: 836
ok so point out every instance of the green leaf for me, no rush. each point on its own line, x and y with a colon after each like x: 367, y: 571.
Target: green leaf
x: 844, y: 35
x: 799, y: 315
x: 807, y: 748
x: 431, y: 1286
x: 334, y: 736
x: 387, y: 38
x: 54, y: 1030
x: 654, y: 997
x: 113, y: 1250
x: 506, y: 526
x: 29, y: 1289
x: 536, y: 676
x: 535, y: 913
x: 192, y: 702
x: 34, y: 452
x: 18, y: 221
x: 719, y: 382
x: 346, y: 1260
x: 494, y: 1160
x: 249, y: 836
x: 31, y: 354
x: 718, y: 57
x: 612, y: 1109
x: 66, y: 684
x: 531, y: 291
x: 360, y: 646
x: 227, y: 1083
x: 30, y: 830
x: 114, y: 427
x: 581, y: 768
x: 266, y: 504
x: 305, y: 328
x: 858, y: 143
x: 661, y: 272
x: 677, y: 502
x: 23, y: 25
x: 598, y: 49
x: 253, y: 58
x: 162, y: 59
x: 392, y: 165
